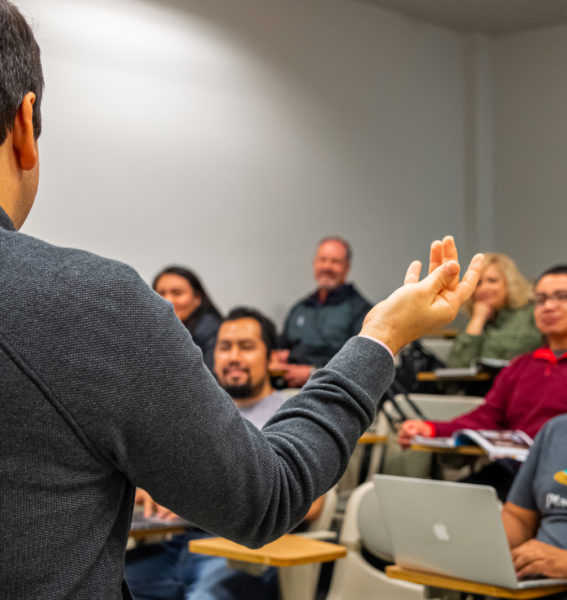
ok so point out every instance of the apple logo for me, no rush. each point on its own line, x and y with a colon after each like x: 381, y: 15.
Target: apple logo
x: 441, y: 532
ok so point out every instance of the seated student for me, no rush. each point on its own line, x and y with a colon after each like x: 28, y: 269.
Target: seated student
x: 168, y: 571
x: 192, y: 305
x: 535, y: 515
x: 532, y: 390
x: 318, y: 325
x: 501, y: 324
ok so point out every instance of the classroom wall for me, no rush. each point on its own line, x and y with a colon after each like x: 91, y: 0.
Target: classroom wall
x: 530, y: 145
x: 231, y: 136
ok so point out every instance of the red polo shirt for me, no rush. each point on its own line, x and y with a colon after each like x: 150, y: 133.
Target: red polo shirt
x: 532, y: 390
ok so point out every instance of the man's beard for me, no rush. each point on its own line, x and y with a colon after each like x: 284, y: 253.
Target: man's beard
x: 240, y: 392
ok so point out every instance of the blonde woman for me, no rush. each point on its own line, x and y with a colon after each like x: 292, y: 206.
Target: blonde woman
x: 501, y: 321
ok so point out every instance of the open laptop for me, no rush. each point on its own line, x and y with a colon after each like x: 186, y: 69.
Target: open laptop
x: 454, y: 529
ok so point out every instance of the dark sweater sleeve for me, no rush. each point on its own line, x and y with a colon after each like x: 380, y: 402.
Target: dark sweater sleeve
x: 148, y: 405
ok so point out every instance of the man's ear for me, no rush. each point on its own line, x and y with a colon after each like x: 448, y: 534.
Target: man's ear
x: 23, y: 140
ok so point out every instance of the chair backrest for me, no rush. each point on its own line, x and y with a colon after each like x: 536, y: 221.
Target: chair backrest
x: 350, y: 532
x: 353, y: 577
x: 288, y: 393
x: 440, y: 407
x: 372, y: 526
x: 438, y: 346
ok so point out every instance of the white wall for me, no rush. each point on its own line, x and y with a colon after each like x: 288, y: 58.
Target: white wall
x: 531, y: 147
x: 230, y: 136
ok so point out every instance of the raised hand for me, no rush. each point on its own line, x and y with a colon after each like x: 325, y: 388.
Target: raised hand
x: 421, y: 306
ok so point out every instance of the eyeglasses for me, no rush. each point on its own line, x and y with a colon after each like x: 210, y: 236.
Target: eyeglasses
x: 559, y: 296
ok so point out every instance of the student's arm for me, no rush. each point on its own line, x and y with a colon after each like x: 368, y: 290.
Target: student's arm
x: 315, y: 510
x: 520, y: 524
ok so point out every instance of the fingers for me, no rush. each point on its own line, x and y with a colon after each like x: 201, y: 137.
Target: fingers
x: 412, y: 274
x: 435, y: 255
x: 442, y: 277
x: 165, y: 513
x: 149, y: 505
x: 409, y: 429
x: 449, y: 249
x: 467, y: 285
x: 450, y: 254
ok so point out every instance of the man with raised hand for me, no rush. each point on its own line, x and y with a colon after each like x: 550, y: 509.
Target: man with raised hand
x: 97, y: 399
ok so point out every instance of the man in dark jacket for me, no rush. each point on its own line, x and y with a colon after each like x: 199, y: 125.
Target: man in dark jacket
x: 318, y: 325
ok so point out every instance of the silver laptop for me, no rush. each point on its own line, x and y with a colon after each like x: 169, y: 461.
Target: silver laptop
x: 454, y: 529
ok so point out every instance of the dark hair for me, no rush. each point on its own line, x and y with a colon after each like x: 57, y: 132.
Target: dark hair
x: 555, y: 270
x: 340, y: 240
x: 20, y: 69
x: 267, y: 327
x: 207, y: 305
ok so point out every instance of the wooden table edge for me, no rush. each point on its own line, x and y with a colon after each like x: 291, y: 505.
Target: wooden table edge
x: 462, y: 450
x: 430, y: 376
x: 142, y: 533
x: 372, y: 438
x: 463, y: 585
x: 247, y: 555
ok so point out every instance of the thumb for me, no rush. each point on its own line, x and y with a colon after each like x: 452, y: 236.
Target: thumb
x: 442, y: 277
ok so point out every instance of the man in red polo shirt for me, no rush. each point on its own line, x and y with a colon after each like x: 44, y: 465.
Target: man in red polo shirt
x: 525, y: 395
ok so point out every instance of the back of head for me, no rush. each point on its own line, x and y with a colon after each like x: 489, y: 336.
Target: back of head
x: 20, y: 68
x: 267, y: 327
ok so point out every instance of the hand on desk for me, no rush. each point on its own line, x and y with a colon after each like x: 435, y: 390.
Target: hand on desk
x: 295, y: 376
x: 410, y: 428
x: 151, y: 507
x: 536, y: 558
x: 418, y: 307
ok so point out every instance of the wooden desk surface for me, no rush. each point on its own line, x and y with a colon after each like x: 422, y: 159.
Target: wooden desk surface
x: 138, y: 534
x: 372, y: 438
x: 287, y: 551
x: 471, y: 587
x: 430, y: 376
x: 462, y: 450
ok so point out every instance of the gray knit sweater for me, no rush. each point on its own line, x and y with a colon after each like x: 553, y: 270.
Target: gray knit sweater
x: 103, y: 390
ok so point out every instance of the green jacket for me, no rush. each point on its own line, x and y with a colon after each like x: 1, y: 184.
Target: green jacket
x: 510, y: 333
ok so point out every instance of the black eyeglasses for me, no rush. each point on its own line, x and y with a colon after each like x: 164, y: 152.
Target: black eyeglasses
x: 559, y: 296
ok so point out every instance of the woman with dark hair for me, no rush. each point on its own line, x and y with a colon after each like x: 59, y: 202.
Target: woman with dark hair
x: 192, y: 306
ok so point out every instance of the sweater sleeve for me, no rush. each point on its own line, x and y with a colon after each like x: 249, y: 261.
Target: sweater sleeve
x: 491, y: 414
x: 149, y: 407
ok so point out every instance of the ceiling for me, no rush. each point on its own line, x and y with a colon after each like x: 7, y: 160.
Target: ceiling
x: 493, y: 17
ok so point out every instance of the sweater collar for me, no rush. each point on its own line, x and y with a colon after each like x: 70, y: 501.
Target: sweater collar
x: 547, y: 354
x: 5, y: 221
